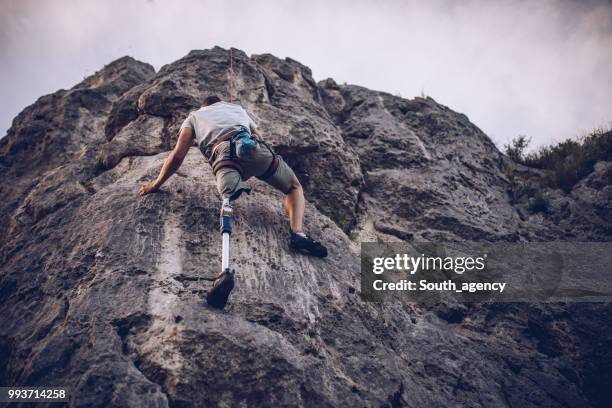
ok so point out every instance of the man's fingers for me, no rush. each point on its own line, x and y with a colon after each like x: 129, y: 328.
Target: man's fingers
x: 147, y: 188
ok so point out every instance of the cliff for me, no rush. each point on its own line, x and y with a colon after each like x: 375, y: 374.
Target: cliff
x: 103, y: 291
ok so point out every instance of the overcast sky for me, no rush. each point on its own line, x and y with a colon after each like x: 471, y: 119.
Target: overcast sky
x: 539, y: 68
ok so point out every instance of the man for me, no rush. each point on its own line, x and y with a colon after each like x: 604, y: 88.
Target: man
x: 229, y: 140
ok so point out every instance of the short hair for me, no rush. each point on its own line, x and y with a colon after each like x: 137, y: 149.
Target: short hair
x: 210, y: 100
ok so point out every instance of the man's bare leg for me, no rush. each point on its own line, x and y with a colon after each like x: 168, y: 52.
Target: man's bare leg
x: 294, y: 205
x: 299, y: 241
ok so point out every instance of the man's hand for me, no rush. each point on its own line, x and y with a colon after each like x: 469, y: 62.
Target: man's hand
x: 148, y: 187
x: 172, y: 162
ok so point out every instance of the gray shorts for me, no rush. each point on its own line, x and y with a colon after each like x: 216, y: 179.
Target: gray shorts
x: 255, y: 163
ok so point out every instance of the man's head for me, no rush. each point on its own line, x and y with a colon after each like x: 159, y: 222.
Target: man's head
x: 210, y: 100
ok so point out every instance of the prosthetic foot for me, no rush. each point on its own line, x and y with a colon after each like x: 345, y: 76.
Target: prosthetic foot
x: 220, y: 292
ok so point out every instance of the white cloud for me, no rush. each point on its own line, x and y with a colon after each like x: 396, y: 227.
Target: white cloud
x: 543, y: 68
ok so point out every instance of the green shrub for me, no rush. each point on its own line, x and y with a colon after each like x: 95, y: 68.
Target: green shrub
x: 516, y: 148
x: 569, y: 161
x: 572, y: 160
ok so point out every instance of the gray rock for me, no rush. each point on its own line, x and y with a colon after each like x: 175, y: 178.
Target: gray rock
x: 103, y: 291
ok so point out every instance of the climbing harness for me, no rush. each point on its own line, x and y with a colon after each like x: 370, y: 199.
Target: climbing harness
x: 247, y: 144
x: 210, y: 153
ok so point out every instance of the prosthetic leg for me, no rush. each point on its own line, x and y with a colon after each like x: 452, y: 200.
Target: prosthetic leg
x: 224, y: 283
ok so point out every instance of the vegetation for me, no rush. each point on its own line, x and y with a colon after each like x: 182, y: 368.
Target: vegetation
x: 516, y: 148
x: 569, y: 161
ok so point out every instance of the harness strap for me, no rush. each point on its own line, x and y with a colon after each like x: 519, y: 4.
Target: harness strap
x: 209, y: 150
x: 271, y: 168
x: 232, y: 152
x: 226, y: 163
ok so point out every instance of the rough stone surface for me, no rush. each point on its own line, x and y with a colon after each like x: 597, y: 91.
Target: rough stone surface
x: 103, y: 291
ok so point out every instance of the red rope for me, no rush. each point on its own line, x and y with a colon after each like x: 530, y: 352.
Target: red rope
x: 230, y: 76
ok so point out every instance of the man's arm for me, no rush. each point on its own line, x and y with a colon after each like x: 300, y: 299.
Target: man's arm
x: 172, y: 162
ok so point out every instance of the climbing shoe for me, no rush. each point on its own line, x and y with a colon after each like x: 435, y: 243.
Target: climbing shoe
x: 303, y: 243
x: 222, y: 286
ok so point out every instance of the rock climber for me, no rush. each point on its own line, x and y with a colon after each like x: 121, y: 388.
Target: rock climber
x: 228, y: 137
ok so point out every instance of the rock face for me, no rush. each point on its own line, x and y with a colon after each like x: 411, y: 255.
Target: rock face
x: 102, y: 291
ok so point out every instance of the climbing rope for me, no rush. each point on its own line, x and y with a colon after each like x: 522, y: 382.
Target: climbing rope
x: 230, y: 76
